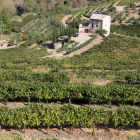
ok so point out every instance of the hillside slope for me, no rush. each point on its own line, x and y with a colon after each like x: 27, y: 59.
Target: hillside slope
x: 51, y: 3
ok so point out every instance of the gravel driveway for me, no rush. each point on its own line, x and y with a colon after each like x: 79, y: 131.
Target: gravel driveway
x: 83, y: 37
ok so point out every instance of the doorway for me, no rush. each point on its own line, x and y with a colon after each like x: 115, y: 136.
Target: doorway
x: 86, y: 31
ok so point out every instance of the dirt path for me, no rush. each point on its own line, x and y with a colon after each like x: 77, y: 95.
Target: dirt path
x: 58, y: 55
x: 116, y: 3
x: 102, y: 133
x: 94, y: 42
x: 78, y: 52
x: 65, y: 19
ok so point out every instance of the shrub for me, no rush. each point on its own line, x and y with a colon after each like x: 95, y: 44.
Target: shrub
x: 130, y: 30
x: 127, y: 10
x: 136, y: 21
x: 129, y: 20
x: 11, y: 42
x: 132, y: 5
x: 114, y: 19
x: 24, y: 37
x: 100, y: 32
x: 17, y: 29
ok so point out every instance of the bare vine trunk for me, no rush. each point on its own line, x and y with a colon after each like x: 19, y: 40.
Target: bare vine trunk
x: 94, y: 131
x: 48, y: 129
x: 29, y: 98
x: 60, y: 129
x: 6, y: 100
x: 23, y: 100
x: 71, y: 129
x: 24, y: 128
x: 110, y: 103
x: 47, y: 102
x: 69, y: 101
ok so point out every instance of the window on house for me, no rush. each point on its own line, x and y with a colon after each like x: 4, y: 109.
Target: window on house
x: 97, y: 20
x: 92, y: 19
x: 96, y: 25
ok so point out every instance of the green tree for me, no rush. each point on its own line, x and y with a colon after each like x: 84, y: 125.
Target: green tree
x: 54, y: 35
x: 101, y: 32
x: 8, y: 6
x: 74, y: 27
x: 29, y: 5
x: 4, y: 17
x: 2, y: 28
x: 42, y: 9
x: 30, y: 37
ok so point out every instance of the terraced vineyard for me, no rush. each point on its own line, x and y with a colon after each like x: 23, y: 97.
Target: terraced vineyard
x: 116, y: 56
x: 126, y: 2
x: 42, y: 25
x: 56, y: 95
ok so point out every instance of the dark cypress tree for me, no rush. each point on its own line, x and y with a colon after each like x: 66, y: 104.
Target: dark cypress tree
x: 54, y: 35
x: 73, y: 27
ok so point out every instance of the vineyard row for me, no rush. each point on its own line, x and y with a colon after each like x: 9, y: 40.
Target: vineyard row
x: 39, y: 114
x: 112, y: 91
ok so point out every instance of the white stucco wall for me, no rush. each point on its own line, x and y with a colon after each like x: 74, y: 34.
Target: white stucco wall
x: 81, y: 30
x: 106, y: 24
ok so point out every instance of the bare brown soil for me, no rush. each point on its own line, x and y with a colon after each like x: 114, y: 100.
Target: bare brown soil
x: 77, y: 134
x: 128, y: 16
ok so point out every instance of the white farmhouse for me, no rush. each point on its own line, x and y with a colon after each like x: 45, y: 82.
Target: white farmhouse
x: 96, y: 21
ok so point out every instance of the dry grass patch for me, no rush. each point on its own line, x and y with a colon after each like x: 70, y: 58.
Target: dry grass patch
x: 135, y: 50
x: 101, y: 82
x: 40, y: 69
